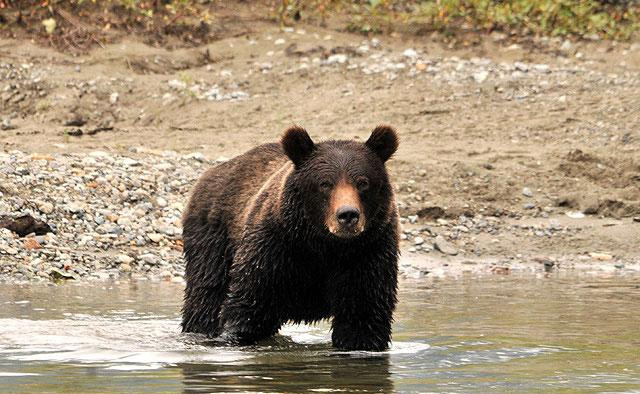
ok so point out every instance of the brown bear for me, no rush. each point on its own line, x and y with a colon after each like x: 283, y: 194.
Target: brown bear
x: 295, y: 232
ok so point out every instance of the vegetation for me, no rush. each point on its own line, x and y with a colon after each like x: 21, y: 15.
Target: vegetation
x: 607, y: 19
x: 83, y: 23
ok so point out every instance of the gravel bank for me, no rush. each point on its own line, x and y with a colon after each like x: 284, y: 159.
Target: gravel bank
x: 106, y: 216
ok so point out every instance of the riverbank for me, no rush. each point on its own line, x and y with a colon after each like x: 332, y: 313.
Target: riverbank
x: 101, y: 215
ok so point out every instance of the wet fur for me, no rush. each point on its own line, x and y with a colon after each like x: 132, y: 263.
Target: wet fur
x: 257, y: 256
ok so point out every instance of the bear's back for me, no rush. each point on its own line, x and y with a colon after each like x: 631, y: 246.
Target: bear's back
x: 227, y: 193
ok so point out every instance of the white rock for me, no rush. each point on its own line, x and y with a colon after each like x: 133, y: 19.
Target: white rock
x: 481, y: 76
x: 129, y: 162
x: 337, y: 58
x: 524, y: 67
x: 279, y: 41
x: 575, y: 215
x: 125, y: 259
x: 161, y: 202
x: 177, y: 85
x: 113, y: 98
x: 155, y: 237
x: 542, y: 68
x: 45, y: 207
x: 410, y: 53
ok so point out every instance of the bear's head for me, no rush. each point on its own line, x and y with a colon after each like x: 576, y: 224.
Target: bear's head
x: 343, y: 185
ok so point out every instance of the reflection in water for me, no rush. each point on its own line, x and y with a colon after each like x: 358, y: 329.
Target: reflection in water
x: 291, y: 373
x: 513, y: 333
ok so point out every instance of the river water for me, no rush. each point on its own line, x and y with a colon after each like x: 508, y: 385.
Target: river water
x: 568, y: 333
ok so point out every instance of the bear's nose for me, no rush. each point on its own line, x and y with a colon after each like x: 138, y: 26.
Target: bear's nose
x: 348, y: 215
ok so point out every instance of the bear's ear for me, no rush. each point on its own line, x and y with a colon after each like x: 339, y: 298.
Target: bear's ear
x: 297, y: 144
x: 383, y: 141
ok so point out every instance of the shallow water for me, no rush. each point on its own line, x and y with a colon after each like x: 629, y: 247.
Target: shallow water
x: 505, y: 333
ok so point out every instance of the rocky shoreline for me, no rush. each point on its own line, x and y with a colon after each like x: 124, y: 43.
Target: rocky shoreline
x: 101, y: 216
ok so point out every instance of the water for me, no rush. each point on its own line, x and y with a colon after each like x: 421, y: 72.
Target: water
x: 566, y: 333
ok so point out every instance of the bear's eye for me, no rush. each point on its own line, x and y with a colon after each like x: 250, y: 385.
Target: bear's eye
x: 362, y: 184
x: 326, y: 185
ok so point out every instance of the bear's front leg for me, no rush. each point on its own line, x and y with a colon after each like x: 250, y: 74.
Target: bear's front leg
x: 363, y: 305
x: 250, y: 311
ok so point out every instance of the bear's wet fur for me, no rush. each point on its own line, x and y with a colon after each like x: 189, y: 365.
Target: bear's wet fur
x: 295, y: 232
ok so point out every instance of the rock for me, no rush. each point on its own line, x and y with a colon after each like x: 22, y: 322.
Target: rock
x: 529, y: 205
x: 197, y: 156
x: 124, y: 221
x: 521, y: 66
x: 481, y: 76
x: 25, y: 225
x: 418, y: 241
x: 431, y: 213
x: 542, y: 68
x: 125, y: 259
x: 155, y: 237
x: 45, y: 207
x: 279, y: 41
x: 636, y: 219
x: 161, y: 202
x: 74, y: 132
x: 77, y: 120
x: 566, y: 46
x: 148, y: 258
x: 527, y: 192
x: 601, y: 256
x: 575, y: 214
x: 9, y: 249
x: 58, y: 274
x: 6, y: 124
x: 74, y: 208
x: 124, y: 267
x: 129, y: 162
x: 444, y: 246
x: 410, y: 53
x: 31, y: 244
x: 177, y: 85
x: 113, y: 98
x: 338, y: 58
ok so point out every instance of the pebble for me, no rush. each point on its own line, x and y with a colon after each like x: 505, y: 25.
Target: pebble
x: 129, y: 162
x: 125, y: 259
x: 601, y: 256
x: 161, y: 202
x: 155, y: 237
x: 45, y: 207
x: 418, y: 241
x: 481, y: 76
x: 444, y: 246
x: 566, y: 46
x: 527, y: 192
x: 410, y: 53
x: 338, y: 58
x: 6, y: 124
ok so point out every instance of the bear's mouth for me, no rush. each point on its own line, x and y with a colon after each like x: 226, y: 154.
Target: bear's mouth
x: 346, y: 232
